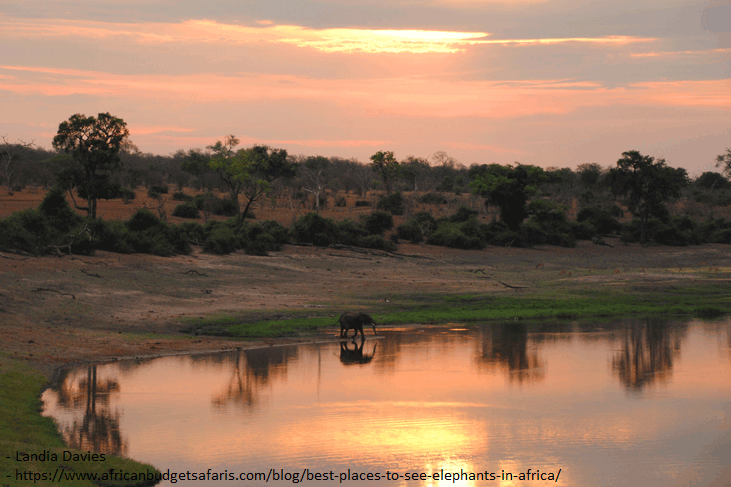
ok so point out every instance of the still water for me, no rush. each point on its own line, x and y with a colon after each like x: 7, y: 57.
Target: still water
x: 627, y: 403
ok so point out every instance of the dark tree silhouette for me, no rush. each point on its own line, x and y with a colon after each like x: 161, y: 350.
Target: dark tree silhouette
x: 94, y: 144
x: 646, y: 185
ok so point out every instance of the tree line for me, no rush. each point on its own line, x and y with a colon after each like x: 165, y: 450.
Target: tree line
x: 95, y: 159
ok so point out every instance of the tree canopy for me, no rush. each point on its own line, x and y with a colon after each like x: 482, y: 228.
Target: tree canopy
x: 386, y: 166
x: 248, y: 171
x: 646, y: 185
x: 508, y: 188
x: 94, y: 144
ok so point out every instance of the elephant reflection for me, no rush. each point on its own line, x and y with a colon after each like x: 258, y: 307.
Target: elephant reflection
x: 356, y: 355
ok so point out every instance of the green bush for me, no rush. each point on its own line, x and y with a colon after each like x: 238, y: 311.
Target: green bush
x: 393, y: 203
x: 453, y: 237
x: 57, y: 212
x: 186, y: 210
x: 180, y: 196
x: 348, y: 232
x: 377, y: 222
x: 127, y: 194
x: 463, y: 214
x: 583, y: 230
x: 159, y: 188
x: 433, y: 199
x: 499, y: 234
x: 716, y: 230
x: 25, y: 231
x: 194, y: 231
x: 221, y: 240
x: 410, y: 231
x: 377, y: 242
x: 315, y: 229
x: 602, y: 221
x: 215, y: 205
x: 359, y: 203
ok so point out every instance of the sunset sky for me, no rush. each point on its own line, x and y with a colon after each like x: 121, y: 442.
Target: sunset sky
x: 545, y: 82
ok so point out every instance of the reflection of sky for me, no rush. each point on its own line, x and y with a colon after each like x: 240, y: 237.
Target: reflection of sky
x: 547, y: 82
x: 425, y: 403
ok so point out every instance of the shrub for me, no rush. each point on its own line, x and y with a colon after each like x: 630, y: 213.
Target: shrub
x: 377, y: 222
x: 377, y: 242
x: 127, y: 195
x: 277, y: 231
x: 159, y: 188
x: 142, y: 220
x: 261, y: 245
x: 315, y: 229
x: 410, y: 231
x: 716, y: 230
x: 221, y: 240
x: 194, y: 231
x: 393, y: 203
x: 349, y: 232
x: 341, y: 202
x: 180, y: 196
x: 463, y: 214
x: 359, y: 203
x: 426, y: 222
x: 186, y: 210
x: 433, y: 199
x: 25, y: 231
x: 602, y: 221
x: 452, y: 237
x: 215, y: 205
x: 498, y: 233
x: 582, y: 230
x: 57, y: 212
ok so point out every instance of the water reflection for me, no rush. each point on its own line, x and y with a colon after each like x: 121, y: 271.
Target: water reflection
x: 649, y: 350
x: 98, y: 429
x: 506, y: 396
x: 252, y: 370
x: 356, y: 355
x: 505, y: 346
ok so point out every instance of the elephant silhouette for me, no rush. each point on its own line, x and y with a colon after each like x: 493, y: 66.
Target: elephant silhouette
x: 355, y: 321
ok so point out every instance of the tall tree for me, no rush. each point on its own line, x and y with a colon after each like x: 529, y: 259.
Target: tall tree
x: 248, y: 171
x: 10, y: 155
x: 315, y: 177
x: 415, y: 170
x: 724, y: 161
x: 508, y: 188
x: 385, y: 165
x: 646, y: 185
x: 94, y: 144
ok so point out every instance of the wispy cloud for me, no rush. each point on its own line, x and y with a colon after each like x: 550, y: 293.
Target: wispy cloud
x: 668, y: 54
x: 406, y: 96
x: 339, y: 40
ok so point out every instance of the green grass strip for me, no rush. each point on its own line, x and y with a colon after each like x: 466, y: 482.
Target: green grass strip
x: 701, y: 301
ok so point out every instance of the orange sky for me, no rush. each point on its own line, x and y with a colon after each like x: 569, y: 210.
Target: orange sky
x: 552, y: 82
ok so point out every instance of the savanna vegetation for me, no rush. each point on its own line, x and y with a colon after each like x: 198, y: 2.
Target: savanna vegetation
x: 434, y: 200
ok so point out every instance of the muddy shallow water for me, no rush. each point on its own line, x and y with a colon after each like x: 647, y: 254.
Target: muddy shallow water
x: 626, y: 403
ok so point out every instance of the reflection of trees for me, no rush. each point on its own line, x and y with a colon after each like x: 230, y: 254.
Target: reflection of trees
x: 356, y: 355
x: 252, y: 370
x: 98, y: 429
x: 649, y: 348
x: 505, y: 346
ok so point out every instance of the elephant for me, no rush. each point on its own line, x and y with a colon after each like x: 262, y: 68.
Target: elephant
x: 355, y: 321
